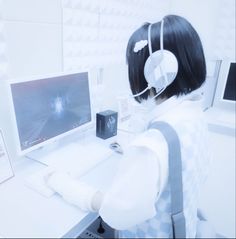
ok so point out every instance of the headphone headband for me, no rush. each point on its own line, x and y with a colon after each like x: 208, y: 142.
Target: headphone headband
x: 150, y: 37
x: 161, y: 35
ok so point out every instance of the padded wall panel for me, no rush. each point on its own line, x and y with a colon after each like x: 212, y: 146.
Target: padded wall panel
x: 95, y: 32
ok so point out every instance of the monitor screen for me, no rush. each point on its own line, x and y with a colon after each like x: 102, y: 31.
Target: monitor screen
x: 49, y: 107
x: 230, y: 88
x: 225, y: 88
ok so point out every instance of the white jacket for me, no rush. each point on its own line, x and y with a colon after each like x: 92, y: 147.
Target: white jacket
x: 139, y: 198
x: 138, y: 202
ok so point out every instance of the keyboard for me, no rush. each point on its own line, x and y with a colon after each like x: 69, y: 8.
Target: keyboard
x: 81, y: 159
x: 74, y: 159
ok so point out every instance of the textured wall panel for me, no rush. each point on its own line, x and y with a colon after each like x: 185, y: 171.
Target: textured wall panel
x: 95, y: 32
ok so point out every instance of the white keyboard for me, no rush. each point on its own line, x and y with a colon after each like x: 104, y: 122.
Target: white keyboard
x: 81, y: 159
x: 75, y: 159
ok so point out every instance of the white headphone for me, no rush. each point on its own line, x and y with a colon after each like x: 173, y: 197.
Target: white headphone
x: 161, y: 67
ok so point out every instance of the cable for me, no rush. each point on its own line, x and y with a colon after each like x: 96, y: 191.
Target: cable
x: 140, y: 93
x: 158, y: 93
x: 101, y: 229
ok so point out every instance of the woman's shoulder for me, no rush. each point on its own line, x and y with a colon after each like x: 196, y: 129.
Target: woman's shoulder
x: 187, y: 117
x: 186, y: 111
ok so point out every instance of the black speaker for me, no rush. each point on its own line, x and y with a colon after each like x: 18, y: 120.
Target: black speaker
x: 106, y: 124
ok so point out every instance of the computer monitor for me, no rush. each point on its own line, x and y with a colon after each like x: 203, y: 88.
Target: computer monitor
x: 48, y: 108
x: 230, y: 86
x: 225, y: 96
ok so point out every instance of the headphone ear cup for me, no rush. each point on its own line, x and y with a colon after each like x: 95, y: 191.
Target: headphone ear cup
x: 160, y: 69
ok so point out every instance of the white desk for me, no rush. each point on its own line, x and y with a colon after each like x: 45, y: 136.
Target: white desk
x: 221, y: 120
x: 25, y: 213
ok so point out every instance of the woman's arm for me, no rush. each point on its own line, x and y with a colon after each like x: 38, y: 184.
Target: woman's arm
x: 72, y: 190
x: 131, y: 198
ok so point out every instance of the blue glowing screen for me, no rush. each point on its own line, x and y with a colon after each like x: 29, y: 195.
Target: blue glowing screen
x: 49, y: 107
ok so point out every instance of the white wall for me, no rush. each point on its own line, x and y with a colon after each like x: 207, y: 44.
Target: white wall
x: 214, y: 20
x: 218, y: 194
x: 96, y: 32
x: 33, y: 45
x: 33, y: 36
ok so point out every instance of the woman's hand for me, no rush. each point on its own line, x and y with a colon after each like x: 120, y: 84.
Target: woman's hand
x: 48, y: 174
x: 74, y: 191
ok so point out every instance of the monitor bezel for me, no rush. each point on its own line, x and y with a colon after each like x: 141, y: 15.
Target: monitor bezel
x: 88, y: 125
x: 219, y: 100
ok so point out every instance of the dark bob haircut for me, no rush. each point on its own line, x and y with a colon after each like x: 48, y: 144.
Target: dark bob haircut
x: 183, y: 41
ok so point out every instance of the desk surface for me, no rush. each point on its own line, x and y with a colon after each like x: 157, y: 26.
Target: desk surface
x: 25, y: 213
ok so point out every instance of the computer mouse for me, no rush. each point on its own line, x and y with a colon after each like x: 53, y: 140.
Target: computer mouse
x: 116, y: 148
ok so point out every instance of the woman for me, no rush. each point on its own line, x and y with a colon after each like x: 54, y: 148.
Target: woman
x: 138, y: 202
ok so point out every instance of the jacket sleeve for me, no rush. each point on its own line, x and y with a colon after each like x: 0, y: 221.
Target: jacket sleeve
x: 140, y: 178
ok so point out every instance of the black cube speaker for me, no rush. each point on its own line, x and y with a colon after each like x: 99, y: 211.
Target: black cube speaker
x: 106, y: 124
